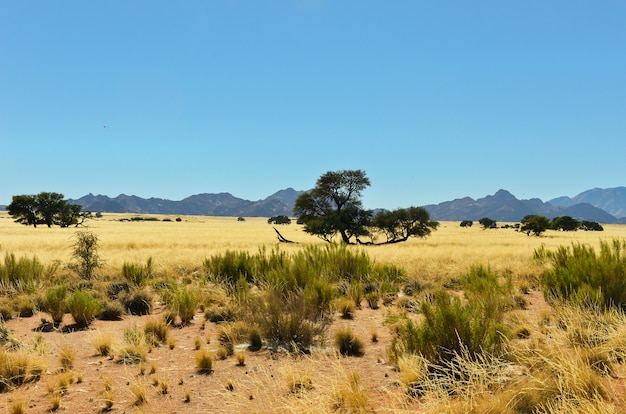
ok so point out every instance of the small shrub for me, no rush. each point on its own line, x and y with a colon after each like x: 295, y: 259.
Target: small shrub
x: 204, y: 362
x: 55, y: 303
x: 112, y: 310
x: 84, y: 307
x: 85, y: 255
x: 138, y: 302
x: 348, y: 343
x: 184, y: 304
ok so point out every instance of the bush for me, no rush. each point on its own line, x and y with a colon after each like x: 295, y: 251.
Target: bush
x: 582, y: 276
x: 55, y: 304
x: 184, y: 304
x: 85, y: 255
x: 284, y: 319
x: 449, y: 329
x: 84, y: 307
x: 111, y: 311
x: 348, y: 343
x: 138, y: 302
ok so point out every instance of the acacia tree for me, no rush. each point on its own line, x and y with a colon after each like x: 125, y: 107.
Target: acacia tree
x: 46, y: 208
x: 334, y: 206
x: 399, y: 225
x: 534, y: 224
x: 23, y: 209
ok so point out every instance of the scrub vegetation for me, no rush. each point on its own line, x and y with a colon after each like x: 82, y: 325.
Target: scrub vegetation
x: 461, y: 321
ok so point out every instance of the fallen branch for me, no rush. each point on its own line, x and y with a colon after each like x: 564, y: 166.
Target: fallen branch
x: 281, y: 238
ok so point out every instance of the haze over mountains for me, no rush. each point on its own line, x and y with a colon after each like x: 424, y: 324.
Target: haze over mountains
x: 601, y: 205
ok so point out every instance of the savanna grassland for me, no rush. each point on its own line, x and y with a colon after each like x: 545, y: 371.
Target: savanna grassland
x: 211, y: 314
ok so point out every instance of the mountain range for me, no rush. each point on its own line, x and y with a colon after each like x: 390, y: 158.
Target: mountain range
x: 600, y: 205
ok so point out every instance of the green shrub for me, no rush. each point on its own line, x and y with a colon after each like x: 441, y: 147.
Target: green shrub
x: 581, y: 275
x: 284, y: 319
x: 348, y: 343
x: 449, y: 329
x: 55, y: 303
x: 184, y: 304
x: 84, y: 307
x: 85, y: 255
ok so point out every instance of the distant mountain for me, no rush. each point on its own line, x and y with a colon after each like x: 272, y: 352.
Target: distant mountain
x: 503, y: 206
x: 221, y: 204
x: 611, y: 200
x: 601, y: 205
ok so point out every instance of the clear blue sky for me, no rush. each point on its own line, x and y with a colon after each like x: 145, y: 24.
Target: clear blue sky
x: 434, y: 100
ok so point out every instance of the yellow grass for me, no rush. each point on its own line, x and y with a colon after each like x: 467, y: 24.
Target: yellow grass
x: 179, y: 248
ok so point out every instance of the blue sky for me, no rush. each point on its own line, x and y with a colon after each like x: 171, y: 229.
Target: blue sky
x: 433, y: 100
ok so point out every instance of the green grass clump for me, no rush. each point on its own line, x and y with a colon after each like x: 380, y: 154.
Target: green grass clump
x: 137, y: 274
x: 184, y: 304
x: 84, y: 307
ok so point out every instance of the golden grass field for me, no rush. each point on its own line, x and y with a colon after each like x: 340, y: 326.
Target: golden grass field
x: 266, y: 383
x: 182, y: 246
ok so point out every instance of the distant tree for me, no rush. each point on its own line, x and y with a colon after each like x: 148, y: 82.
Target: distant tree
x: 534, y: 224
x: 564, y: 223
x: 279, y: 220
x: 487, y: 223
x: 399, y: 225
x: 591, y: 226
x: 467, y: 223
x: 334, y: 206
x: 23, y: 209
x: 46, y: 208
x: 49, y: 205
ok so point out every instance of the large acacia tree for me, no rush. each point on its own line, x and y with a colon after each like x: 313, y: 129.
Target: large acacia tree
x: 334, y: 206
x: 46, y: 208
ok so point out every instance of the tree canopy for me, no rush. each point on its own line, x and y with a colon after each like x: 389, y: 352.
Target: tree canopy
x: 46, y: 208
x: 334, y: 207
x: 534, y: 224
